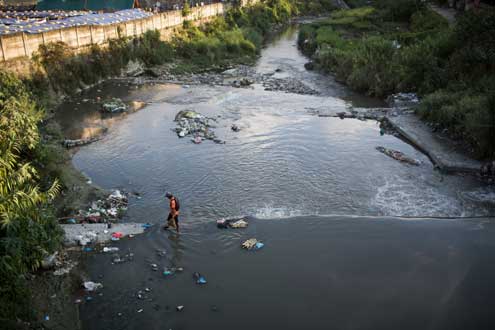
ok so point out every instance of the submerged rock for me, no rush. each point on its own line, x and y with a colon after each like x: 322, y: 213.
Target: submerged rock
x: 79, y: 142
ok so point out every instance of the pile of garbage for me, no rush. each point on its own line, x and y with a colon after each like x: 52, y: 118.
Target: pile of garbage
x: 397, y: 155
x: 107, y: 210
x: 252, y: 244
x: 234, y: 223
x: 195, y: 124
x: 115, y: 105
x: 403, y: 100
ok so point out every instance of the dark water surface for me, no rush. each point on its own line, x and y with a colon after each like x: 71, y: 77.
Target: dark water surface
x: 319, y: 195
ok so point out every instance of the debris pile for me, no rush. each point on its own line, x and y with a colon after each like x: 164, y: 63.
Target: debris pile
x: 110, y: 209
x: 403, y: 100
x: 192, y: 123
x: 252, y: 244
x: 115, y: 105
x: 234, y: 223
x: 397, y: 155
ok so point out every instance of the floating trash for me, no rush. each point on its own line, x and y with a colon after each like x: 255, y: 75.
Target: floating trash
x: 200, y: 279
x: 252, y: 244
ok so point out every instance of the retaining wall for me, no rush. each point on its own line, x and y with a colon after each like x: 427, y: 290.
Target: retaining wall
x: 23, y: 45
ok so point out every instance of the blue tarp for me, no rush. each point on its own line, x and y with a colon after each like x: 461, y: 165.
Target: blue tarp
x: 10, y: 25
x: 84, y: 4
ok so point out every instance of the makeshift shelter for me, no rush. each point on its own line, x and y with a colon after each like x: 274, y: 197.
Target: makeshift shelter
x: 106, y: 5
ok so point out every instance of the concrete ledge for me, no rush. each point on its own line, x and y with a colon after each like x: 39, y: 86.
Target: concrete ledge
x: 442, y: 152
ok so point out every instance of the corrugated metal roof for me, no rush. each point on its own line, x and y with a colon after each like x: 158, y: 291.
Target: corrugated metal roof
x: 84, y: 4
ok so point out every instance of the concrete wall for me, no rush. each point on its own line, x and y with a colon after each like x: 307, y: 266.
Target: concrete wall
x: 15, y: 46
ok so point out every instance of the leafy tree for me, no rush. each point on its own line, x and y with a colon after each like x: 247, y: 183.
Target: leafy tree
x: 28, y: 230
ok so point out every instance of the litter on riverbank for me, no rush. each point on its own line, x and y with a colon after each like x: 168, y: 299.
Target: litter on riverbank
x: 98, y: 232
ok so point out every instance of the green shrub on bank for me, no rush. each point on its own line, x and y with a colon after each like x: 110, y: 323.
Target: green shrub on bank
x: 28, y: 229
x: 413, y: 49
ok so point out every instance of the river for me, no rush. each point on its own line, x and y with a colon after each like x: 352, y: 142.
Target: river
x: 354, y: 239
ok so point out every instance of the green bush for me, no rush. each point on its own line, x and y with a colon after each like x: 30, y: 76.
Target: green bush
x: 28, y: 229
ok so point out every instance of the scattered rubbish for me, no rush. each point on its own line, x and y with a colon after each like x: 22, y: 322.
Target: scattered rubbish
x: 113, y: 207
x: 79, y: 142
x: 234, y: 223
x: 77, y: 301
x: 92, y: 286
x: 235, y: 128
x: 115, y: 239
x: 117, y: 259
x: 68, y: 266
x: 117, y: 235
x: 134, y: 68
x: 403, y: 100
x: 87, y: 249
x: 110, y: 249
x: 168, y: 272
x: 239, y: 224
x: 140, y: 310
x: 397, y: 155
x: 200, y: 279
x: 252, y: 244
x: 192, y: 123
x: 147, y: 289
x: 114, y: 106
x: 46, y: 318
x: 154, y: 267
x: 86, y: 238
x: 49, y: 261
x: 146, y: 225
x: 180, y: 308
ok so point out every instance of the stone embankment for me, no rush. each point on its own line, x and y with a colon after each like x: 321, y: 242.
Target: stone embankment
x: 399, y: 118
x: 442, y: 151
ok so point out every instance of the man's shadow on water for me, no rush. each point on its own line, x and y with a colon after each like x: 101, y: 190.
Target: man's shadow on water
x: 176, y: 249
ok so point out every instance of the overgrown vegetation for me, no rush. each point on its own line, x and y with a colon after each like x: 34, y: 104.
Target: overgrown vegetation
x: 28, y: 229
x: 402, y: 46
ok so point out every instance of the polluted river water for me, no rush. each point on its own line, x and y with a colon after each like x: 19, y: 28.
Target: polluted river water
x: 353, y: 239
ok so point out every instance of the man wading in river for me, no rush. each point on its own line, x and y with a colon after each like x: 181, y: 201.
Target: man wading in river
x: 173, y: 216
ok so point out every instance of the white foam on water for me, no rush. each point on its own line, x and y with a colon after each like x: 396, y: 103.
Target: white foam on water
x: 271, y: 212
x: 482, y: 195
x: 401, y: 197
